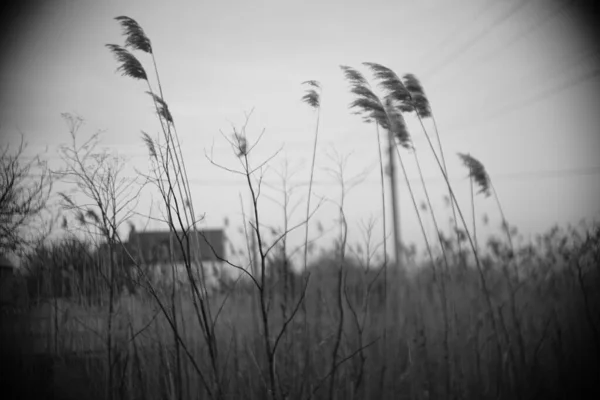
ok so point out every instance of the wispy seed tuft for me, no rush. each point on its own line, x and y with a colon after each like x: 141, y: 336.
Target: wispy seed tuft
x: 92, y: 215
x: 312, y: 97
x: 150, y: 144
x: 130, y: 66
x: 418, y: 101
x: 477, y: 172
x: 389, y: 81
x: 398, y: 125
x: 163, y: 108
x: 366, y: 103
x: 353, y: 76
x: 136, y: 38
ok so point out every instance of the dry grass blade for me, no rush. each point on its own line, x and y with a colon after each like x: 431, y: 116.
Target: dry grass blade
x: 477, y: 172
x: 163, y: 108
x: 136, y: 38
x: 149, y: 143
x: 390, y: 82
x: 419, y: 102
x: 130, y: 66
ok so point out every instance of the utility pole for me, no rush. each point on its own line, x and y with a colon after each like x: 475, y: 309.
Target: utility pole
x: 395, y: 210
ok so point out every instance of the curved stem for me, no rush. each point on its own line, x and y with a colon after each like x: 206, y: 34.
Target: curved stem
x: 435, y: 224
x: 473, y: 210
x: 458, y: 242
x: 469, y: 237
x: 310, y: 185
x: 442, y: 282
x: 412, y: 197
x: 385, y: 259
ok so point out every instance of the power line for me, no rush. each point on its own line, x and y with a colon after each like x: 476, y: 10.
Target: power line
x: 555, y: 173
x: 291, y: 146
x: 458, y: 29
x: 530, y: 29
x: 545, y: 93
x: 468, y: 45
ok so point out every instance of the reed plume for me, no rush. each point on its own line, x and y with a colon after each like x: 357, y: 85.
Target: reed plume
x: 136, y: 38
x: 390, y: 82
x: 477, y: 172
x: 312, y: 96
x: 150, y: 144
x: 418, y: 100
x: 130, y: 65
x: 162, y: 107
x: 397, y: 125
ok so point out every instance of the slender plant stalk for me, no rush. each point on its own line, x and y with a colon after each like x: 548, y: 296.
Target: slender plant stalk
x: 473, y: 211
x: 444, y: 296
x: 253, y: 261
x: 469, y: 237
x: 263, y: 295
x: 385, y: 256
x: 458, y: 242
x: 179, y: 166
x: 416, y: 207
x: 312, y: 98
x: 340, y: 282
x: 137, y: 39
x: 512, y: 260
x: 310, y: 182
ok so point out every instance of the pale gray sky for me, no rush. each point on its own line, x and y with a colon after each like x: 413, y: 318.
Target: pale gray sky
x: 513, y: 83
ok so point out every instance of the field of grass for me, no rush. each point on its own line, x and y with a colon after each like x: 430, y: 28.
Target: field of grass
x: 548, y: 342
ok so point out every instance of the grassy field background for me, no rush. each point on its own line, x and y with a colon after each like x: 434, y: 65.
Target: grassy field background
x: 549, y: 341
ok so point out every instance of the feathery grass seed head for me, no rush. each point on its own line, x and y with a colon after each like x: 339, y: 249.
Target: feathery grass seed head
x: 92, y: 215
x: 163, y: 108
x: 241, y: 144
x: 312, y: 96
x: 397, y: 125
x: 150, y: 144
x: 130, y: 65
x: 477, y: 172
x: 366, y: 102
x: 312, y: 83
x: 136, y: 38
x: 353, y: 76
x: 418, y: 101
x: 389, y: 81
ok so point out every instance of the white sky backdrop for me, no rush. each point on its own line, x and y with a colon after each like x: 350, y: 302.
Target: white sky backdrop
x: 513, y: 83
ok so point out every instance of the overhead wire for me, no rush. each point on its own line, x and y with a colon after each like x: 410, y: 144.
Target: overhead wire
x: 512, y: 41
x: 584, y: 58
x: 445, y: 62
x: 519, y: 175
x: 459, y: 28
x: 530, y: 100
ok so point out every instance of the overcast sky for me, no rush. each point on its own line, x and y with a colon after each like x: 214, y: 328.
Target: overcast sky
x: 513, y: 83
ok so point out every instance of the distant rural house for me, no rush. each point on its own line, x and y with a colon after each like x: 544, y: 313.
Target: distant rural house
x: 159, y: 255
x: 12, y: 291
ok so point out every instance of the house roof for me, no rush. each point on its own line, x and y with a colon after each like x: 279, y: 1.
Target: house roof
x: 148, y: 243
x: 5, y: 262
